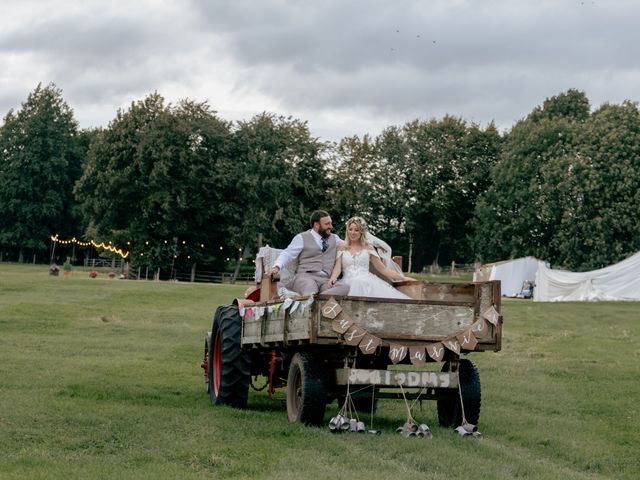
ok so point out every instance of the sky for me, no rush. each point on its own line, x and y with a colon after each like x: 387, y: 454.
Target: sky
x: 347, y: 67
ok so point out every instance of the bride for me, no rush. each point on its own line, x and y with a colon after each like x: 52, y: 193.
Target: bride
x: 353, y: 259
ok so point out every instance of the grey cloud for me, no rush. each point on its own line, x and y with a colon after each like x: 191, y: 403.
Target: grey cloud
x: 352, y: 35
x: 102, y: 57
x: 388, y: 61
x: 461, y: 60
x: 79, y: 38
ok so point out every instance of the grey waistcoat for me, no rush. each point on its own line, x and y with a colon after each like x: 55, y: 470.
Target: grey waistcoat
x: 311, y: 258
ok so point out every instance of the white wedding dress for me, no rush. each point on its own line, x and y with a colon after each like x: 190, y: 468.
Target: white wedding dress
x: 363, y: 283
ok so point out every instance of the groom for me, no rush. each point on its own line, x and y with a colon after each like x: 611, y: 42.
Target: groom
x: 315, y: 250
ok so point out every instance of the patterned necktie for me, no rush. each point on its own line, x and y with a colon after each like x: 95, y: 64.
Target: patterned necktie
x: 325, y: 244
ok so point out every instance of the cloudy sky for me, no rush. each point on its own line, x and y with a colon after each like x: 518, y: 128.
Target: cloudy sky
x: 345, y: 66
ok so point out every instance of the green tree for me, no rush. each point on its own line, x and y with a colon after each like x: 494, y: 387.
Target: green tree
x: 572, y: 105
x: 352, y: 170
x: 373, y: 179
x: 451, y: 161
x: 394, y: 189
x: 40, y: 160
x: 416, y: 185
x: 599, y: 222
x: 520, y: 211
x: 276, y: 176
x: 152, y: 182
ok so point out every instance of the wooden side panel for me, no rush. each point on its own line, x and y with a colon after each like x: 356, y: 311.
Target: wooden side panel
x: 488, y: 295
x: 410, y: 321
x: 449, y: 292
x: 277, y: 326
x: 450, y: 310
x: 411, y: 288
x: 268, y: 288
x: 484, y: 297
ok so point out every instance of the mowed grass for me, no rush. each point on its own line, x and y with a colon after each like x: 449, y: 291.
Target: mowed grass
x: 100, y: 378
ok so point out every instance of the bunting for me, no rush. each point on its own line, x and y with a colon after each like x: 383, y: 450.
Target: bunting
x: 356, y: 336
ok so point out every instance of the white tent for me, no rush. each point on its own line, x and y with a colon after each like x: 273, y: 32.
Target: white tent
x: 620, y: 281
x: 511, y: 273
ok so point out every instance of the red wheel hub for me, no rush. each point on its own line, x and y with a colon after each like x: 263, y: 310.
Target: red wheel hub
x: 217, y: 363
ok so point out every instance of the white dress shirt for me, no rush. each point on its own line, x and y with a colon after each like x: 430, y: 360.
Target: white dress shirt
x: 290, y: 253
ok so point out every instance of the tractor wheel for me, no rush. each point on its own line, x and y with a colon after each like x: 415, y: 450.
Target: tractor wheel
x: 205, y: 362
x: 306, y: 389
x: 229, y: 364
x: 449, y: 410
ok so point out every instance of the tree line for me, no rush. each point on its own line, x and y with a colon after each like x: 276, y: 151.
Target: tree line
x: 175, y: 184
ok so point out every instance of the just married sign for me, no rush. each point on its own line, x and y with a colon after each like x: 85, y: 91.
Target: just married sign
x: 418, y: 354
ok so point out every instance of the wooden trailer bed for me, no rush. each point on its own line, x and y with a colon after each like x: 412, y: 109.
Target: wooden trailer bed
x: 441, y: 314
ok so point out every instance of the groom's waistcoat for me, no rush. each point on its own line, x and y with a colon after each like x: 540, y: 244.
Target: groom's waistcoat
x: 311, y: 258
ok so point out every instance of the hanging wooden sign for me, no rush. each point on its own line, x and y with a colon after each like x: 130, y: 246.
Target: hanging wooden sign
x: 397, y: 353
x: 417, y: 355
x: 331, y: 309
x: 491, y: 315
x: 341, y: 323
x: 480, y: 328
x: 369, y: 344
x: 354, y: 335
x: 436, y: 351
x: 453, y: 345
x: 467, y: 340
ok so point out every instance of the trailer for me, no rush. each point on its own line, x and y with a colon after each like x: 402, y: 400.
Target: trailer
x: 322, y: 348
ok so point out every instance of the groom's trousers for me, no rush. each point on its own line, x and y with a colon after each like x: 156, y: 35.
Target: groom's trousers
x: 306, y: 283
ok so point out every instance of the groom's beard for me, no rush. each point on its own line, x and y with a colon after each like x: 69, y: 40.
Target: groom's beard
x: 325, y: 233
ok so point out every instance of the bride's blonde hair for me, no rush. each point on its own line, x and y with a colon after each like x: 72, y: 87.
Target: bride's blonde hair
x: 364, y: 229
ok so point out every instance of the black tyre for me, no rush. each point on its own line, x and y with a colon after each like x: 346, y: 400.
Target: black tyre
x: 449, y: 410
x: 229, y: 364
x: 306, y: 389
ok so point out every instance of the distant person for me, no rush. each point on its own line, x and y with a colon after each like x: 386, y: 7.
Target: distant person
x: 315, y: 251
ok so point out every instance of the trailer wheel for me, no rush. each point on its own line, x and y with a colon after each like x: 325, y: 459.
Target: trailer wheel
x: 306, y: 389
x: 229, y: 365
x: 449, y: 411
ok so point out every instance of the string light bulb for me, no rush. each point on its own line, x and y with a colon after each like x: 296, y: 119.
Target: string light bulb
x: 102, y: 245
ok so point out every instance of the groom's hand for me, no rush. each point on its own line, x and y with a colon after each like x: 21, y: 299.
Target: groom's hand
x: 275, y: 271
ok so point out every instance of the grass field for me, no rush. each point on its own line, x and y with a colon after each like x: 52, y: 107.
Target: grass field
x: 100, y: 378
